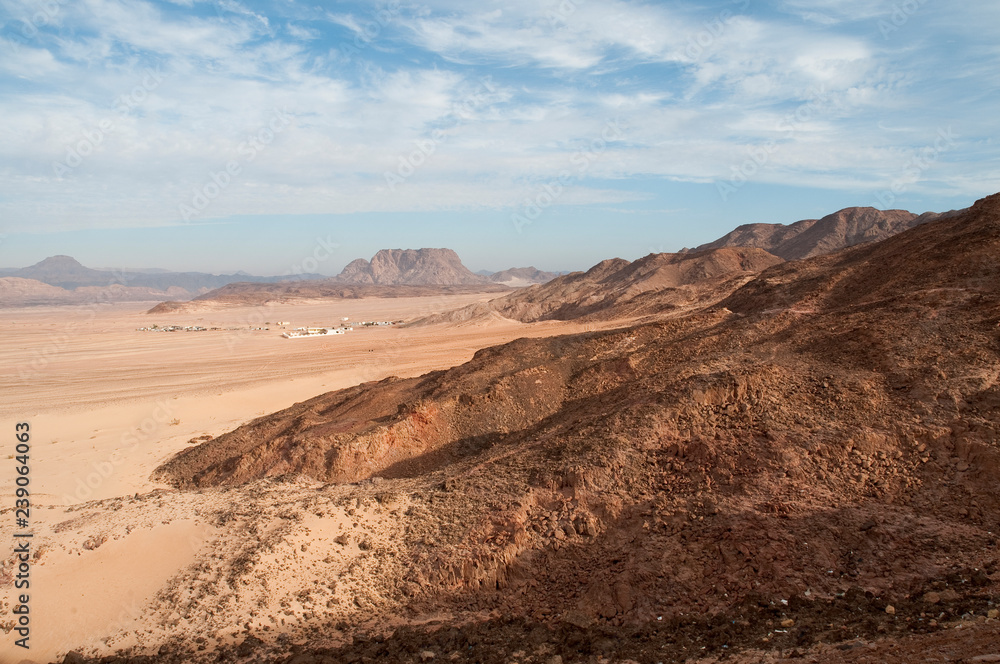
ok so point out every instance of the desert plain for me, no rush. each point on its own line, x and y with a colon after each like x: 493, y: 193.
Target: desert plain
x: 108, y: 403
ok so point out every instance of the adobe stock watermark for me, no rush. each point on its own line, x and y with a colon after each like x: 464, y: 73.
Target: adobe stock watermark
x: 899, y: 17
x: 914, y: 168
x: 563, y: 11
x: 549, y: 193
x: 322, y: 251
x: 408, y: 164
x: 370, y: 30
x: 759, y: 155
x: 93, y: 138
x: 218, y: 181
x: 253, y: 322
x: 30, y: 25
x: 698, y: 43
x: 702, y: 41
x: 57, y: 343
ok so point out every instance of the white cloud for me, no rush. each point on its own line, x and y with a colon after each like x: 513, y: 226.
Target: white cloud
x: 27, y: 62
x: 553, y: 85
x: 301, y: 33
x: 237, y: 8
x: 833, y: 12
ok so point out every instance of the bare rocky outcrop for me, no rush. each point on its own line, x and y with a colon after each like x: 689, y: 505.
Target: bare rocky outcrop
x: 415, y: 267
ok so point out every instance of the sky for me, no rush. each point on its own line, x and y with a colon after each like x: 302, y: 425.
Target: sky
x: 226, y: 135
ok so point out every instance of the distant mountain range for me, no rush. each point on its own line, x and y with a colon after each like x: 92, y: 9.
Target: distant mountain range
x: 64, y: 280
x: 390, y: 273
x: 432, y: 267
x: 616, y: 288
x: 66, y: 272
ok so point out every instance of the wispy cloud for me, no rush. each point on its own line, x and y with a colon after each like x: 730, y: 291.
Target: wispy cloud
x: 698, y: 87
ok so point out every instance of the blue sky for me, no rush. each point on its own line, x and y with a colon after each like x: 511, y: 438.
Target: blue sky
x: 224, y: 135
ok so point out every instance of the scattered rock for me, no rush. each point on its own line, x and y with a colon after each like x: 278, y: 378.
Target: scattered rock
x: 303, y: 658
x: 578, y: 618
x: 932, y: 598
x: 891, y: 610
x: 949, y: 595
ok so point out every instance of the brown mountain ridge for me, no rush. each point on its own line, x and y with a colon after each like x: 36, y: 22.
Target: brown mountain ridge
x: 616, y: 288
x: 815, y: 237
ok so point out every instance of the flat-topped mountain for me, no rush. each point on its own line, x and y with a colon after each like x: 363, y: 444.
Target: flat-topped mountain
x: 814, y: 237
x: 413, y: 267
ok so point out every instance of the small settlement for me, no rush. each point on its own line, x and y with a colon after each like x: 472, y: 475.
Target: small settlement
x: 297, y: 333
x: 315, y: 332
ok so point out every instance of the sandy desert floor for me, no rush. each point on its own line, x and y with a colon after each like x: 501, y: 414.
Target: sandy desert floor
x: 108, y: 403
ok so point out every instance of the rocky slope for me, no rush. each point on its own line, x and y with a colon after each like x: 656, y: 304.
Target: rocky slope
x: 814, y: 237
x: 616, y: 288
x: 772, y: 473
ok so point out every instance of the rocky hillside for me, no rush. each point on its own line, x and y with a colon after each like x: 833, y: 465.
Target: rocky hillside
x: 821, y: 446
x: 414, y: 267
x: 812, y: 237
x: 617, y: 288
